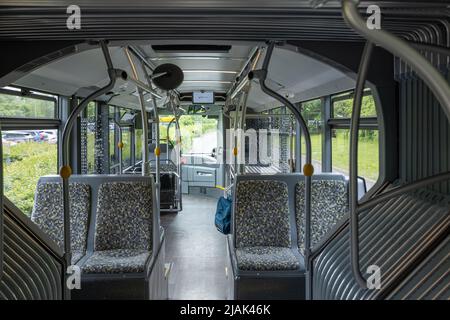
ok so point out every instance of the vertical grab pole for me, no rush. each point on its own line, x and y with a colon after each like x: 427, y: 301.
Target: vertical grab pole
x: 66, y: 171
x: 308, y: 168
x: 145, y: 153
x: 178, y: 153
x: 354, y: 129
x: 119, y: 145
x: 168, y: 134
x: 242, y: 126
x: 235, y: 138
x: 157, y: 150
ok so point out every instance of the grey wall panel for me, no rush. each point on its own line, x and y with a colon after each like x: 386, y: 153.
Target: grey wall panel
x: 424, y: 134
x: 430, y: 280
x: 31, y: 269
x: 392, y: 236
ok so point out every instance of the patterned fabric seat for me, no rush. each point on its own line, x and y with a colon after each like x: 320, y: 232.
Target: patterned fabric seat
x: 116, y: 261
x: 168, y: 167
x: 123, y: 233
x: 262, y: 227
x: 266, y: 259
x: 48, y: 214
x: 329, y: 203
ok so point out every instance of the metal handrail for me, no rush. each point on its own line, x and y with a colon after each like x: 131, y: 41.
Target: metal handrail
x: 168, y: 142
x: 354, y: 129
x: 431, y: 47
x: 437, y: 84
x: 120, y: 145
x: 157, y: 138
x: 308, y: 168
x: 140, y: 87
x: 65, y: 170
x: 394, y: 192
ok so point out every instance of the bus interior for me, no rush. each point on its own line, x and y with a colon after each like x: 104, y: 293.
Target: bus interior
x: 323, y: 141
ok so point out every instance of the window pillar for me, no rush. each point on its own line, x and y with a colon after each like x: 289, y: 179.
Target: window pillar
x: 326, y: 134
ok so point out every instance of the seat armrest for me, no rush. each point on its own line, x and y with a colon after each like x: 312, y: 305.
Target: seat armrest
x: 151, y: 261
x: 232, y: 254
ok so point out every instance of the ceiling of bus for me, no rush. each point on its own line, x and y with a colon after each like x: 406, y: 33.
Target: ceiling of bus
x: 292, y: 74
x: 214, y: 71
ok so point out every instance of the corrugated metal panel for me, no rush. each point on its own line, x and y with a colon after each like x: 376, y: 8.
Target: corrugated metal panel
x: 31, y: 270
x: 208, y: 19
x: 424, y: 133
x: 392, y: 236
x: 430, y: 280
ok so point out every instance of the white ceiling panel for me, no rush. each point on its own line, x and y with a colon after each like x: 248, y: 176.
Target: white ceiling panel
x: 294, y: 75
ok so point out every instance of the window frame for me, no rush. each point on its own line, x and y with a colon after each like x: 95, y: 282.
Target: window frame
x: 330, y: 123
x: 33, y: 94
x: 23, y: 123
x: 13, y: 123
x: 118, y: 113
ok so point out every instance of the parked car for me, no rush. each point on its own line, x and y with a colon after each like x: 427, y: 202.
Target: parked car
x: 51, y: 136
x: 38, y: 136
x: 17, y: 136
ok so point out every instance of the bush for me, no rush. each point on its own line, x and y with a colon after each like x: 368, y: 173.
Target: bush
x: 24, y: 164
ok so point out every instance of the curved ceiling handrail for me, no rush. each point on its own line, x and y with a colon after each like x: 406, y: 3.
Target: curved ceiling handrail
x: 308, y: 168
x: 353, y: 188
x: 426, y: 71
x: 65, y: 170
x: 436, y: 82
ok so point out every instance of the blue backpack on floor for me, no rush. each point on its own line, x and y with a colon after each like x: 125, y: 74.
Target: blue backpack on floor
x: 223, y: 215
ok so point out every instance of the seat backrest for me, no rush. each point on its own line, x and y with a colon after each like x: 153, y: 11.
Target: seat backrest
x: 329, y: 203
x: 261, y: 213
x: 132, y: 221
x: 164, y: 166
x: 124, y: 216
x: 48, y: 212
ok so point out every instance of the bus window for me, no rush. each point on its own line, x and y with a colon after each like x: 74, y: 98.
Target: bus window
x: 27, y: 154
x: 312, y: 113
x: 17, y: 106
x: 368, y: 155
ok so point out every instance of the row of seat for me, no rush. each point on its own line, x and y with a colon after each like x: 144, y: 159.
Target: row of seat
x: 169, y: 182
x: 267, y: 241
x: 114, y: 230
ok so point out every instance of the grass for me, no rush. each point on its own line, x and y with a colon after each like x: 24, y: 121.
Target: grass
x: 368, y: 153
x: 23, y: 164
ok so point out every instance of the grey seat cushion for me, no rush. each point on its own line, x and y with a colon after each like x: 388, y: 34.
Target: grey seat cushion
x: 329, y: 203
x: 76, y: 256
x: 124, y: 216
x: 116, y: 261
x: 48, y: 213
x: 262, y: 214
x: 266, y: 259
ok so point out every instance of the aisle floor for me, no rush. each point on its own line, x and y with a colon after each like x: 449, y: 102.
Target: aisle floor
x: 196, y: 250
